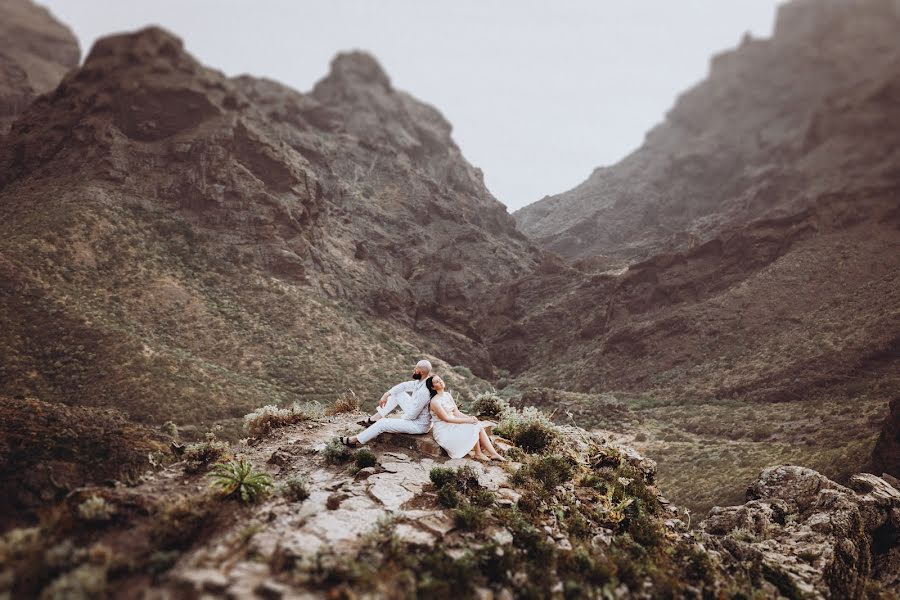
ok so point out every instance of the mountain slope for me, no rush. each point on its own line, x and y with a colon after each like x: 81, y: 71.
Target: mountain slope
x: 750, y: 141
x: 785, y: 291
x: 186, y: 246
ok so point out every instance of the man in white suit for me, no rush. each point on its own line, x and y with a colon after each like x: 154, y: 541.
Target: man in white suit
x: 411, y: 396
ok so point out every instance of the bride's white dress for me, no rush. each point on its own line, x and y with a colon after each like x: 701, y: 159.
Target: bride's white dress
x: 456, y: 438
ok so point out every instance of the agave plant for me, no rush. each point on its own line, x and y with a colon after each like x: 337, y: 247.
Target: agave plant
x: 238, y: 478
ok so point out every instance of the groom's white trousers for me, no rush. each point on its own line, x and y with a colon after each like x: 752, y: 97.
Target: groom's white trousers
x: 393, y: 425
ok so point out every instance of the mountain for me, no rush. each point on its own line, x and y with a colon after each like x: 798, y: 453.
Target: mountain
x: 37, y: 51
x: 767, y: 133
x: 186, y: 246
x: 766, y: 326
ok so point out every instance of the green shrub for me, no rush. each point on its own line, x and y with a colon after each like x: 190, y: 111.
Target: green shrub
x: 483, y: 498
x: 455, y: 485
x: 550, y: 471
x: 336, y: 453
x: 237, y: 478
x: 530, y: 429
x: 467, y: 479
x: 294, y: 489
x: 96, y: 509
x: 448, y: 497
x: 489, y: 405
x: 468, y: 517
x: 441, y: 476
x: 198, y: 457
x: 365, y: 458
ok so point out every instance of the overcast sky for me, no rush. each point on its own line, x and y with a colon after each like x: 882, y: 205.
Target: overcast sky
x: 538, y: 92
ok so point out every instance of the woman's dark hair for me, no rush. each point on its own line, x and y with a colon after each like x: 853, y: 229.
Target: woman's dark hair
x: 430, y: 387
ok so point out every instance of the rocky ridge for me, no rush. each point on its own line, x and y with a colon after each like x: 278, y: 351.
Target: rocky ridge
x: 597, y: 526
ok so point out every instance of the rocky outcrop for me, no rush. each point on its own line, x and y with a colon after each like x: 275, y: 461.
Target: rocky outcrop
x: 812, y: 538
x: 773, y: 126
x: 886, y: 455
x: 37, y: 51
x: 580, y: 520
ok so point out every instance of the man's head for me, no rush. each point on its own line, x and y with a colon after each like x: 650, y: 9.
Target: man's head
x: 422, y: 370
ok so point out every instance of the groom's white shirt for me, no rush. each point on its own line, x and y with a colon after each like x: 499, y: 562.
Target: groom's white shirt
x: 413, y: 397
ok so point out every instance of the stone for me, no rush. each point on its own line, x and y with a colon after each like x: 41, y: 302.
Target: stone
x: 420, y: 444
x: 414, y: 535
x: 280, y: 458
x: 439, y: 522
x: 272, y: 590
x: 391, y: 494
x: 364, y: 473
x: 209, y: 580
x: 795, y: 512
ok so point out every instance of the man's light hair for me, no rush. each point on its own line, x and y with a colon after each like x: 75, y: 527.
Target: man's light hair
x: 424, y: 364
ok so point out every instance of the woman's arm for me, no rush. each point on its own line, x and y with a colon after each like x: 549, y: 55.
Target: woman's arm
x: 443, y: 415
x: 459, y: 415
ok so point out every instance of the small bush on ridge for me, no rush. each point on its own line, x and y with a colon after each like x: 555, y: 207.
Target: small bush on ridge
x: 267, y: 418
x: 365, y: 458
x: 201, y: 455
x: 336, y: 453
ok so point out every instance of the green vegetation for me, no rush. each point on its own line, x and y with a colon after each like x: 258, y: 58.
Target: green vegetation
x: 336, y: 453
x: 96, y: 509
x: 528, y: 428
x: 294, y: 488
x: 489, y: 405
x: 238, y: 479
x: 198, y: 457
x: 364, y: 458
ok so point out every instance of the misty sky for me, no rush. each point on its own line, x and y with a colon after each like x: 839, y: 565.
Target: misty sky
x: 538, y: 92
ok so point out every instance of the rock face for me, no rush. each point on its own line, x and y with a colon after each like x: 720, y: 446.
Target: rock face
x: 813, y: 538
x: 778, y: 178
x: 765, y: 134
x: 179, y: 227
x: 37, y: 51
x: 886, y: 455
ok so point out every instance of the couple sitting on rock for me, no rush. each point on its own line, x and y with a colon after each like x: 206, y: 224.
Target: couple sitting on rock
x: 455, y: 432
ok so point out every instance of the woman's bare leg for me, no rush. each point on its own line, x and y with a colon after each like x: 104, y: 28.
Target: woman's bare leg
x: 476, y: 450
x: 485, y: 442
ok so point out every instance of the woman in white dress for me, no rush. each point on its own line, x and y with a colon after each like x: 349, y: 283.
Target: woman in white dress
x: 455, y: 432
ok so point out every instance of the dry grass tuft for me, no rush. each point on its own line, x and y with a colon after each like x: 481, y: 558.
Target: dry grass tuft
x: 263, y: 420
x: 348, y: 402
